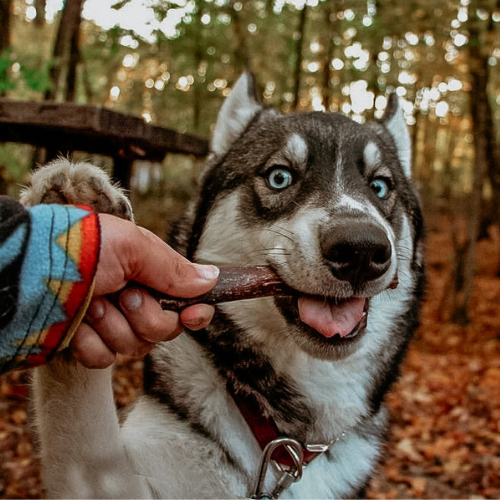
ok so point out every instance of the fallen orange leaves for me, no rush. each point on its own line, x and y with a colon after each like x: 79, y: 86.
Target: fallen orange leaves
x: 445, y: 434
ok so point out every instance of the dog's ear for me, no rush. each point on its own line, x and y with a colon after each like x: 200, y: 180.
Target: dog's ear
x: 395, y: 123
x: 236, y: 113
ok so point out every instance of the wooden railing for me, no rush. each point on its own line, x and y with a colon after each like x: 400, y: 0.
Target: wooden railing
x: 62, y: 128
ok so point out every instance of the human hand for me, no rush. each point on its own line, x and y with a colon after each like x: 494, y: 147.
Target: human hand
x: 131, y: 253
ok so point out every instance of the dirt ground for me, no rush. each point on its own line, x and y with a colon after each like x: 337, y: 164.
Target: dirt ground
x: 445, y: 434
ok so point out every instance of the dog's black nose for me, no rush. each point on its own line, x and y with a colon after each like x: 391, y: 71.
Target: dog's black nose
x: 356, y: 252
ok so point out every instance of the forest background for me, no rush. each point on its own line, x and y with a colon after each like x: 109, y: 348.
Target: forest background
x: 173, y: 62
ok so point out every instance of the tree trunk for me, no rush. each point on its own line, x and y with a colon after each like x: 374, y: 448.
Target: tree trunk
x: 299, y: 56
x: 480, y: 112
x: 198, y: 59
x: 68, y: 26
x: 330, y: 14
x: 122, y: 171
x: 65, y: 56
x: 40, y: 13
x: 74, y: 59
x: 5, y: 14
x: 242, y: 56
x: 428, y: 155
x: 5, y: 18
x: 493, y: 154
x: 86, y: 82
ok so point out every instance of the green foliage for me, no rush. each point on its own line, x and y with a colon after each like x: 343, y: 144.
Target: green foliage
x: 36, y: 77
x: 120, y: 5
x: 180, y: 74
x: 15, y: 165
x: 5, y: 64
x: 32, y: 73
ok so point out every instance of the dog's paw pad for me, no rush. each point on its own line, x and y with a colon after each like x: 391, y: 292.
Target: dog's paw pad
x: 64, y: 182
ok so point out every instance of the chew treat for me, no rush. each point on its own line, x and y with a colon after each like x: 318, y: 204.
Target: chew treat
x: 235, y: 283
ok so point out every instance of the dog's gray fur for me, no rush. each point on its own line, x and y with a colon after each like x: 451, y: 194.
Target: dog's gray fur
x: 186, y: 438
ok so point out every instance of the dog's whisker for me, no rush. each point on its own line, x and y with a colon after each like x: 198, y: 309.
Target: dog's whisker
x: 280, y: 234
x: 266, y: 251
x: 281, y: 228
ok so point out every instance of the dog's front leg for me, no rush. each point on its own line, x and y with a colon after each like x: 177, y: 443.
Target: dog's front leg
x: 84, y: 455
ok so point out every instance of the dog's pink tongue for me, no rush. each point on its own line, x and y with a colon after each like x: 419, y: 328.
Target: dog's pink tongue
x: 330, y: 319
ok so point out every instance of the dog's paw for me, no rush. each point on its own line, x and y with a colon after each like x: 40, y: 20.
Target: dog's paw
x: 64, y: 182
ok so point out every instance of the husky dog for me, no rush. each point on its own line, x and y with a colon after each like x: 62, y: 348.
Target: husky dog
x: 329, y: 205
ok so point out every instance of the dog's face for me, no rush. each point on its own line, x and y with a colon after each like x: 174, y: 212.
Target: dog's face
x: 324, y: 201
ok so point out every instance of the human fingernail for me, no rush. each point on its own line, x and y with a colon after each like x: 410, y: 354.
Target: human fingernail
x: 131, y: 299
x: 207, y: 272
x: 204, y: 315
x: 195, y: 324
x: 96, y: 309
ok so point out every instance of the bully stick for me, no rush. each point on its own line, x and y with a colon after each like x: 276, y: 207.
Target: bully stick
x: 234, y: 283
x: 238, y: 283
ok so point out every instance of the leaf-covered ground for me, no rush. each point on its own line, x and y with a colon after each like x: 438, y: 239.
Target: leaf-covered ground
x: 445, y: 436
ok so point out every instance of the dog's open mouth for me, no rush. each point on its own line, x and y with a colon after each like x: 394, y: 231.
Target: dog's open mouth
x: 344, y: 318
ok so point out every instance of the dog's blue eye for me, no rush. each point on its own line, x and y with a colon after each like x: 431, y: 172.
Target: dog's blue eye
x: 279, y: 178
x: 381, y: 188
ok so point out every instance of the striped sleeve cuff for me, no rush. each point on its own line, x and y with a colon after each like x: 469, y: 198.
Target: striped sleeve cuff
x: 54, y: 285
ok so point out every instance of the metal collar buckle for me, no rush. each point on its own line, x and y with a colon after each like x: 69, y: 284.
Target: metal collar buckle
x: 288, y: 476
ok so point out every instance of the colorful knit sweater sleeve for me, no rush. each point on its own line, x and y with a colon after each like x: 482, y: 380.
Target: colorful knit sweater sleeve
x: 48, y: 259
